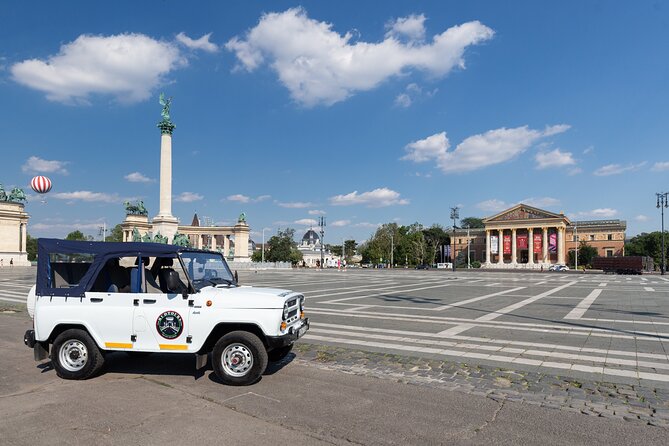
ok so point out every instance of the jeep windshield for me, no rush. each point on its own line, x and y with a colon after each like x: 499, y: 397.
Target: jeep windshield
x: 207, y: 269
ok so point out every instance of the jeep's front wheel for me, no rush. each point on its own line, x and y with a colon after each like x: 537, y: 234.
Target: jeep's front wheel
x: 239, y: 358
x: 74, y: 355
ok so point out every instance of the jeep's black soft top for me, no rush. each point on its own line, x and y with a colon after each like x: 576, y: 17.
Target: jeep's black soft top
x: 100, y: 251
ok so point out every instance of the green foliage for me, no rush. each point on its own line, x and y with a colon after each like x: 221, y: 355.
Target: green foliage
x: 256, y: 256
x: 116, y: 234
x: 586, y: 254
x: 335, y: 249
x: 76, y: 235
x: 648, y: 244
x: 351, y: 248
x: 282, y: 248
x: 31, y: 247
x: 435, y: 237
x: 472, y: 222
x: 476, y: 264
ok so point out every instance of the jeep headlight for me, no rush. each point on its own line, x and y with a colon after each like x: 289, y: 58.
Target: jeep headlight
x: 285, y: 311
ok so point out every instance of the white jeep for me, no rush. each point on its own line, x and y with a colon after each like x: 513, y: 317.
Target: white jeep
x: 91, y: 298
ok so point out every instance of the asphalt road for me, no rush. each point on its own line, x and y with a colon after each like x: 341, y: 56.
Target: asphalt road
x: 591, y: 327
x: 159, y: 400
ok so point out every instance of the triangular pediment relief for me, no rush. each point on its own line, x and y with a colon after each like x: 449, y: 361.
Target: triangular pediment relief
x: 522, y: 212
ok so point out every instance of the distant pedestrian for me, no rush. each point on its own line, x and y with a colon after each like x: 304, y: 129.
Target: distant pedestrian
x: 2, y: 263
x: 542, y: 268
x: 11, y: 262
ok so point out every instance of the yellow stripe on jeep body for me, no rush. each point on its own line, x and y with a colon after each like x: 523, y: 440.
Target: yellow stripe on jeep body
x: 173, y: 346
x: 118, y: 345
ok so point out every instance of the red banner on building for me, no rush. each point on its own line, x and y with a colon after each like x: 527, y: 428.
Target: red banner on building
x: 537, y: 244
x: 507, y: 244
x: 521, y: 240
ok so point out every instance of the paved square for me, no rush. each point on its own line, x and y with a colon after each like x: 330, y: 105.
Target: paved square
x: 588, y: 326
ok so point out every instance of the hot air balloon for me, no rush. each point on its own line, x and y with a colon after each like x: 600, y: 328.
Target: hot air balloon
x: 40, y: 184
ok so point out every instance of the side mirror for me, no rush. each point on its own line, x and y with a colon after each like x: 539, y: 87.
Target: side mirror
x: 236, y: 278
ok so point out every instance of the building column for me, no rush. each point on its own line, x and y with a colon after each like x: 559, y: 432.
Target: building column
x: 544, y: 240
x: 500, y: 247
x: 487, y: 247
x: 199, y: 241
x: 213, y: 243
x: 226, y: 246
x: 514, y: 259
x: 530, y: 246
x: 560, y: 247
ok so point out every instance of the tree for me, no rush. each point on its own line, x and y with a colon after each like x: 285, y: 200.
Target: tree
x: 335, y: 249
x: 435, y: 237
x: 472, y: 222
x: 116, y: 234
x: 646, y: 244
x: 350, y: 248
x: 31, y: 247
x: 586, y: 254
x: 282, y: 247
x: 256, y: 256
x: 76, y: 235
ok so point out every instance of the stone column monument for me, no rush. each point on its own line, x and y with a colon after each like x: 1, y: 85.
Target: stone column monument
x: 242, y: 240
x: 165, y: 223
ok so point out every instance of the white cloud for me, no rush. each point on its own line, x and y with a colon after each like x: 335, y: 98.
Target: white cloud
x: 493, y: 205
x: 35, y: 164
x: 554, y: 158
x: 574, y: 171
x: 478, y: 151
x: 541, y: 202
x: 597, y: 213
x: 316, y: 212
x: 411, y: 28
x: 127, y: 66
x: 660, y: 166
x: 238, y: 197
x: 616, y: 169
x: 377, y: 198
x: 432, y: 147
x: 86, y: 195
x: 306, y: 222
x: 320, y: 66
x: 403, y: 100
x: 137, y: 177
x: 246, y: 199
x: 366, y: 224
x: 294, y: 205
x: 588, y: 149
x: 188, y: 197
x: 641, y: 218
x: 202, y: 43
x: 340, y: 223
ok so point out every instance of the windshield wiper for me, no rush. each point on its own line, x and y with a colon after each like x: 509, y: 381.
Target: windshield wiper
x: 216, y: 281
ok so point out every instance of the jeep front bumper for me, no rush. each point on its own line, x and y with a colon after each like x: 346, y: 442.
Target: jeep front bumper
x: 294, y: 333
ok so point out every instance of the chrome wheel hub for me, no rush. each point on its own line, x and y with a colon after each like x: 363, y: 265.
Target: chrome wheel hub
x: 237, y: 360
x: 73, y: 355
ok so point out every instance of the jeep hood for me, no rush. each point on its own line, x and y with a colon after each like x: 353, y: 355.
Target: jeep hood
x: 247, y: 297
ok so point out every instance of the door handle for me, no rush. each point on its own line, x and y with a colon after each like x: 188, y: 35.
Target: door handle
x: 149, y: 301
x: 96, y: 299
x: 191, y: 302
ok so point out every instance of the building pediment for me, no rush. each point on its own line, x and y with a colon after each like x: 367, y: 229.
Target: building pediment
x: 523, y: 212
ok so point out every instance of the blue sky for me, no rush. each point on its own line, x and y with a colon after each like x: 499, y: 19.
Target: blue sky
x: 365, y: 112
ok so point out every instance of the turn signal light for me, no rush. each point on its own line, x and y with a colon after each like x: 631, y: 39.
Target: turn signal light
x: 209, y: 303
x: 283, y: 326
x: 301, y: 314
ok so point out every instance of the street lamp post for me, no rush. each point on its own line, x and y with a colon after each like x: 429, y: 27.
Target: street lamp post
x: 321, y: 223
x: 392, y: 248
x: 263, y: 246
x: 663, y: 202
x: 454, y: 216
x: 469, y: 263
x: 576, y: 236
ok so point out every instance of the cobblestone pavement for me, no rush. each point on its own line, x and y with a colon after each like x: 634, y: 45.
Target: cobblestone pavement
x: 622, y: 401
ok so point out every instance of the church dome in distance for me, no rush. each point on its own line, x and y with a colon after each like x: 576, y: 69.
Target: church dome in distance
x: 311, y: 237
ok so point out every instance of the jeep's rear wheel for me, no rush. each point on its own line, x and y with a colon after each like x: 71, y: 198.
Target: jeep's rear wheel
x: 74, y: 355
x: 239, y: 358
x: 279, y: 353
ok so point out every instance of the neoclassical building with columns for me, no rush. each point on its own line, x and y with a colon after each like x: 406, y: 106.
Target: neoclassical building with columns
x: 531, y: 238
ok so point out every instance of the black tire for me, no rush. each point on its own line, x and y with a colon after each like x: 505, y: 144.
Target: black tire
x: 278, y: 354
x: 74, y: 355
x: 239, y: 358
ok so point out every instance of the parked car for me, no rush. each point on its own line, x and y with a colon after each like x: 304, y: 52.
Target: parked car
x: 558, y: 268
x: 423, y: 266
x: 91, y: 298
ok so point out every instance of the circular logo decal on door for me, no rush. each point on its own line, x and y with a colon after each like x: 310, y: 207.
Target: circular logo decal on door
x: 170, y: 325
